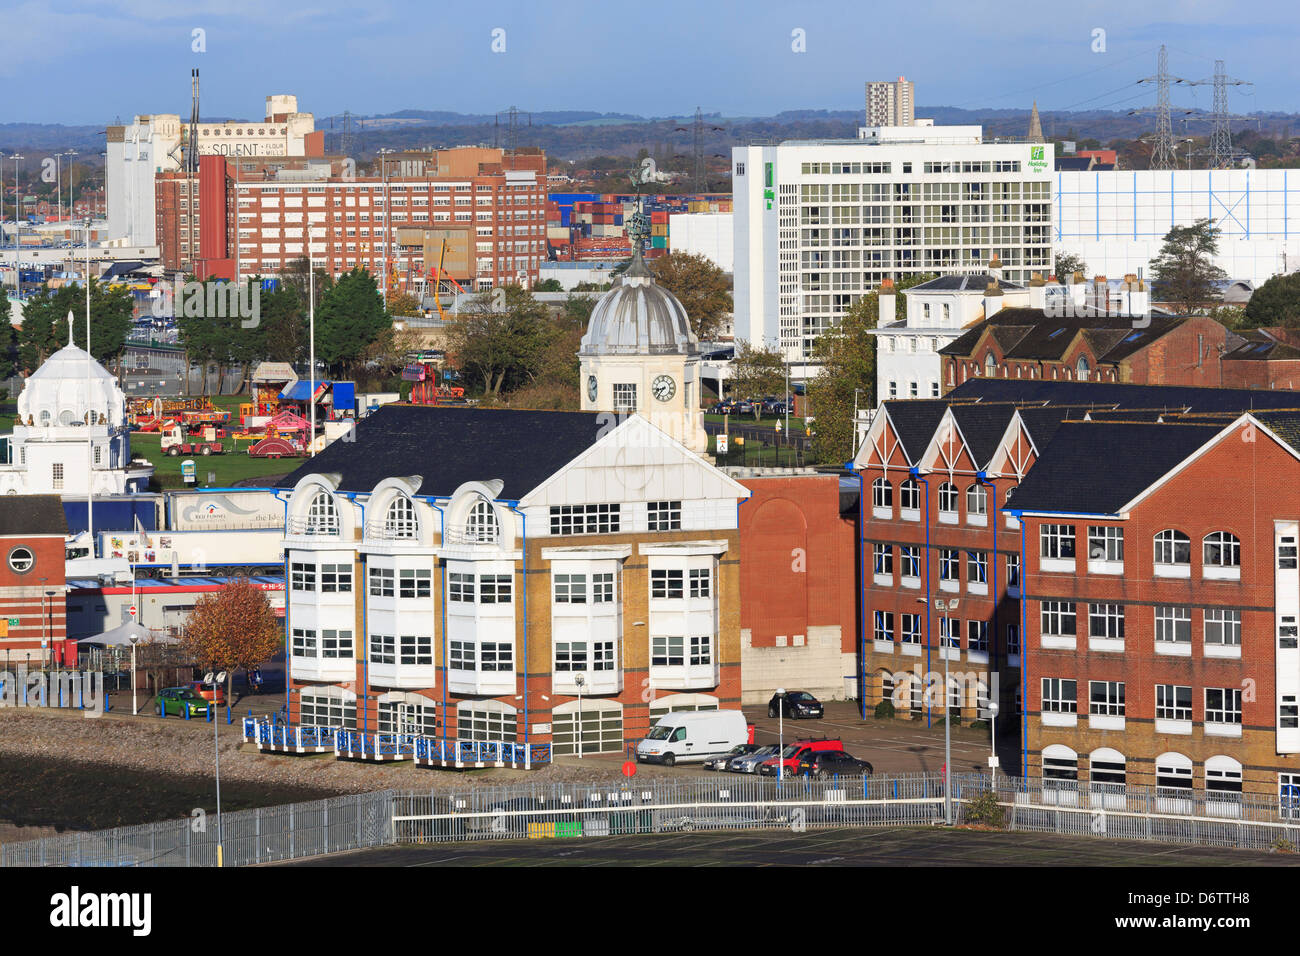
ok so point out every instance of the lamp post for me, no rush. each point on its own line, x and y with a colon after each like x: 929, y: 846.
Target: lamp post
x: 215, y: 680
x: 994, y: 707
x: 580, y: 681
x: 18, y: 208
x: 134, y: 704
x: 780, y: 733
x: 951, y: 605
x: 69, y: 153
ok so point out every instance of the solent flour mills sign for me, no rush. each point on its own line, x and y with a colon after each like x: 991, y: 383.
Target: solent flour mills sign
x: 79, y: 690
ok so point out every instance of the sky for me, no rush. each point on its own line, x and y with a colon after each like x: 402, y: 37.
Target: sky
x: 87, y: 62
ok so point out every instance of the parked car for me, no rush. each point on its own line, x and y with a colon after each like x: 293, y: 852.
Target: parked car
x: 692, y: 735
x: 721, y: 762
x: 749, y: 763
x: 205, y: 691
x: 183, y: 700
x: 795, y: 752
x: 773, y: 406
x: 725, y: 407
x: 796, y: 704
x: 743, y: 407
x: 831, y: 763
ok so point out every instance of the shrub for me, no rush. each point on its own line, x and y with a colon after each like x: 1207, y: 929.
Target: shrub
x: 885, y: 710
x: 985, y: 811
x: 1282, y: 845
x: 979, y: 725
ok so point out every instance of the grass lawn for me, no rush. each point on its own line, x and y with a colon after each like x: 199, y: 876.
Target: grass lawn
x: 231, y: 467
x: 796, y: 424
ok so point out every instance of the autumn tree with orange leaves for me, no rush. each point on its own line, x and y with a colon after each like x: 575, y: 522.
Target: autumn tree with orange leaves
x: 235, y: 627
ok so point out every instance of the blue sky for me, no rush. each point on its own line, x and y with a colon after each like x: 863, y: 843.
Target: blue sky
x: 87, y: 62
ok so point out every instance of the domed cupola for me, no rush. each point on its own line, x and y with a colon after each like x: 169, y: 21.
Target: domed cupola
x: 67, y: 387
x: 639, y: 317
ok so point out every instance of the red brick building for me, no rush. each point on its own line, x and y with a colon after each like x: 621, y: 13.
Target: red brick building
x: 477, y: 212
x: 1268, y: 358
x: 935, y: 476
x: 33, y: 617
x: 1033, y: 344
x: 1161, y: 604
x: 798, y: 586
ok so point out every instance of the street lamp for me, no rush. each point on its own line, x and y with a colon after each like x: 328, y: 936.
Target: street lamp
x: 216, y: 680
x: 69, y: 153
x: 18, y: 285
x: 780, y: 733
x: 951, y: 605
x: 135, y: 710
x: 994, y: 707
x: 580, y: 681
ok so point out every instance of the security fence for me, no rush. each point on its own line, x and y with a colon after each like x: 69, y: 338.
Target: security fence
x: 670, y: 804
x: 264, y: 835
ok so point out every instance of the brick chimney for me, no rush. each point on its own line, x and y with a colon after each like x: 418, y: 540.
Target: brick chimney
x: 888, y: 302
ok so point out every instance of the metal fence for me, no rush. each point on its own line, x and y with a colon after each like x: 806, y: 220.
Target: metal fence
x: 264, y: 835
x: 666, y: 804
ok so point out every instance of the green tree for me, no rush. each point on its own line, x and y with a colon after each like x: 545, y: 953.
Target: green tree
x: 45, y: 322
x: 1184, y: 273
x: 757, y: 372
x: 847, y: 355
x: 1067, y: 264
x: 549, y: 285
x: 8, y: 342
x: 1275, y: 303
x: 349, y: 317
x: 403, y: 303
x: 703, y: 289
x: 283, y: 324
x: 501, y: 349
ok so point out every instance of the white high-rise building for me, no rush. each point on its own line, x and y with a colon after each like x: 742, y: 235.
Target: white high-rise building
x: 153, y: 144
x: 819, y: 224
x: 891, y: 103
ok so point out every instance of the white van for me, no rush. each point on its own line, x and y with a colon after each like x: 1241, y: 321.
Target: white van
x: 692, y: 735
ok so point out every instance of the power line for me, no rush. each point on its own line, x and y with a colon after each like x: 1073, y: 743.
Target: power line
x: 1064, y: 79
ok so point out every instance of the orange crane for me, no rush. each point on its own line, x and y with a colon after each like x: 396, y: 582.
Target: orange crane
x: 438, y: 276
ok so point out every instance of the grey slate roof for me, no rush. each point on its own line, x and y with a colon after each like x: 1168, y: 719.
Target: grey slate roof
x: 1191, y: 398
x: 449, y: 446
x: 1095, y: 468
x: 32, y: 515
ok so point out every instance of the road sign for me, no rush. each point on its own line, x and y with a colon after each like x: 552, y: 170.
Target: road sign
x: 720, y: 444
x: 131, y: 611
x: 629, y: 768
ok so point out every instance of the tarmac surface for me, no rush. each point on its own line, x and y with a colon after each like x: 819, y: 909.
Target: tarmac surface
x: 875, y: 846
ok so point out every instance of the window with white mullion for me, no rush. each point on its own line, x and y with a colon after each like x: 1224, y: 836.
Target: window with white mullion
x: 1060, y: 696
x: 1223, y: 705
x: 1222, y: 627
x: 1106, y: 698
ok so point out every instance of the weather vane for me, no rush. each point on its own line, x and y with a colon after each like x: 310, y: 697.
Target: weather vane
x: 639, y: 228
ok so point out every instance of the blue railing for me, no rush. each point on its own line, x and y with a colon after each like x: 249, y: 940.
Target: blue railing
x: 353, y: 743
x: 428, y: 749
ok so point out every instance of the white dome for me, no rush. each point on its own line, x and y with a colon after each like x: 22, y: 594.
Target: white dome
x: 56, y: 393
x: 639, y: 317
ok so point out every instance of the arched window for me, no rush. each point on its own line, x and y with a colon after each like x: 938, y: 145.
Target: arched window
x: 948, y: 499
x: 1222, y: 550
x: 1222, y: 776
x: 328, y: 707
x: 1107, y: 766
x: 400, y: 521
x: 1060, y: 763
x: 1174, y: 771
x: 322, y: 516
x: 909, y: 495
x: 481, y: 526
x: 977, y: 501
x: 1082, y: 369
x: 1172, y: 547
x: 882, y: 494
x: 407, y: 713
x: 990, y: 365
x: 486, y: 720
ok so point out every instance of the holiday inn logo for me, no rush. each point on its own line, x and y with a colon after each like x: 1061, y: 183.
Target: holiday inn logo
x: 1037, y: 160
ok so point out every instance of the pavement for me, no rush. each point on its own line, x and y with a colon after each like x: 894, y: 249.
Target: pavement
x: 884, y: 846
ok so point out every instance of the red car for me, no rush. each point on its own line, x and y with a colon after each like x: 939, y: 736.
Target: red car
x: 797, y: 751
x: 205, y: 691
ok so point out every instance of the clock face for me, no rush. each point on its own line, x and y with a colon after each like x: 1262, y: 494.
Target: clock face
x: 663, y: 387
x: 591, y: 387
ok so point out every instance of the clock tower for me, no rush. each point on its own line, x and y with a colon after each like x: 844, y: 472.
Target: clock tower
x: 640, y: 356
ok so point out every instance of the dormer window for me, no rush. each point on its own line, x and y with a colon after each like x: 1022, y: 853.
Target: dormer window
x: 481, y: 526
x: 322, y: 516
x: 400, y: 522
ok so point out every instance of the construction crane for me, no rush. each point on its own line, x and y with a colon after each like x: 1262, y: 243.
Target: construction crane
x: 437, y: 275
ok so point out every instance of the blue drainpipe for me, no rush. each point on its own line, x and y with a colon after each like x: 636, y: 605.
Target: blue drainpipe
x: 442, y: 591
x: 862, y: 591
x: 981, y: 477
x: 514, y: 506
x: 1024, y: 656
x: 929, y: 711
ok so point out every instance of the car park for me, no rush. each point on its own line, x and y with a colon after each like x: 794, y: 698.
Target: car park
x: 794, y: 752
x: 692, y: 735
x: 797, y: 704
x: 749, y: 763
x: 722, y: 762
x: 832, y: 763
x: 183, y: 701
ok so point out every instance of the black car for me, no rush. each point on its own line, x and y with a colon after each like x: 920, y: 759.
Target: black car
x: 797, y: 704
x: 832, y: 763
